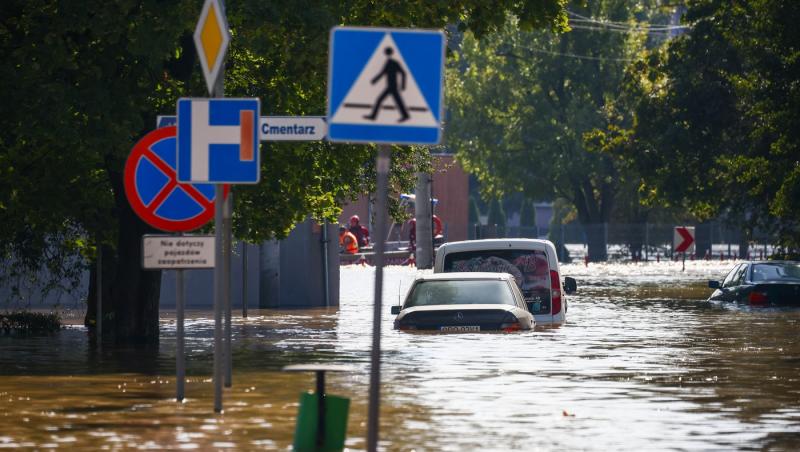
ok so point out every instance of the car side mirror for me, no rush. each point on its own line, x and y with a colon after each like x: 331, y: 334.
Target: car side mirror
x: 570, y: 285
x: 714, y: 284
x: 395, y: 310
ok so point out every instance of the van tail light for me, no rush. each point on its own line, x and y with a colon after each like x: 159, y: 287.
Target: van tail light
x: 555, y: 292
x: 510, y: 327
x: 757, y: 298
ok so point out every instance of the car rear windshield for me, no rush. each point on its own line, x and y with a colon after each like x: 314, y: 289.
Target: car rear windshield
x: 429, y: 293
x: 529, y: 267
x: 777, y: 270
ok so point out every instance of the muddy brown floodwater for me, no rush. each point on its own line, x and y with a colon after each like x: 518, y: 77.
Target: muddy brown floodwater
x: 644, y: 363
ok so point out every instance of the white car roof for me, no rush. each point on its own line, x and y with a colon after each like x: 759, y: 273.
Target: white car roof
x: 492, y: 244
x: 466, y: 276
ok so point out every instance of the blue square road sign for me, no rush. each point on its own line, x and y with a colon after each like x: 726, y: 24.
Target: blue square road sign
x: 385, y: 85
x: 218, y: 141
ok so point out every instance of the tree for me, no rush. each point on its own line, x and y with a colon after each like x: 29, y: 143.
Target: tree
x: 539, y: 93
x: 84, y: 80
x: 715, y: 123
x: 527, y: 216
x: 563, y: 213
x: 497, y: 217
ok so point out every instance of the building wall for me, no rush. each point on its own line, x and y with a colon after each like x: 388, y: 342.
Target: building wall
x: 450, y: 187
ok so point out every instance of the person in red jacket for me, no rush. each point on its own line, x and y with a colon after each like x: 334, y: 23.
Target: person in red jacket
x: 361, y: 233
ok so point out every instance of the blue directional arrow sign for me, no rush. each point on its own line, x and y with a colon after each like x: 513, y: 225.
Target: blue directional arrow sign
x: 385, y: 85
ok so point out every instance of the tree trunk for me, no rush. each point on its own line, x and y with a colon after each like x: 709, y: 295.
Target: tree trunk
x: 593, y: 215
x: 130, y: 294
x: 702, y: 240
x: 745, y: 236
x: 596, y: 241
x: 423, y: 215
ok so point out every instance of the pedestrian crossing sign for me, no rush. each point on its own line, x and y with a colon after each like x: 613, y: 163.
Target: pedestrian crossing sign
x: 385, y: 85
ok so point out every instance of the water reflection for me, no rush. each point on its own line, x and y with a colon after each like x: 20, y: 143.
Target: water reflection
x: 643, y: 362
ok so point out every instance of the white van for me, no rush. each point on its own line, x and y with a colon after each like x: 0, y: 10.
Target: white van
x: 532, y: 262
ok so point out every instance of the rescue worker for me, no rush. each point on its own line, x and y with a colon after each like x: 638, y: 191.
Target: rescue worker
x: 348, y: 243
x: 361, y: 233
x: 412, y: 231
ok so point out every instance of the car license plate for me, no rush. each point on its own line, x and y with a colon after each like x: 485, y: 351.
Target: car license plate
x: 460, y: 329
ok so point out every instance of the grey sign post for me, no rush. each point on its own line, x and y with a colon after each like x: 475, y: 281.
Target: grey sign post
x: 226, y: 285
x: 180, y: 360
x: 212, y: 61
x: 244, y: 279
x: 99, y: 314
x: 386, y: 102
x: 382, y: 165
x: 179, y: 253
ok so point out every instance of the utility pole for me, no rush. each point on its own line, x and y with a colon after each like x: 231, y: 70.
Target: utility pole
x: 423, y: 214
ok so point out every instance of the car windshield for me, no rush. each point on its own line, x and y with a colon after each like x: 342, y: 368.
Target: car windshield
x: 529, y: 267
x: 777, y: 270
x: 448, y: 292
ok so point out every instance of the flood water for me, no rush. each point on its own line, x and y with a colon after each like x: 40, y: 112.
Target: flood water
x: 643, y: 363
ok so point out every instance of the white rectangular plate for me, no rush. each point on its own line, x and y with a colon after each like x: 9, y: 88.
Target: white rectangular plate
x: 460, y: 329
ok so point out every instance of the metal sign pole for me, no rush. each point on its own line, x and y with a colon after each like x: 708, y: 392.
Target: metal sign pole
x: 244, y: 279
x: 99, y: 314
x: 382, y: 164
x: 325, y: 267
x: 180, y: 369
x: 218, y: 208
x: 226, y: 286
x: 219, y: 289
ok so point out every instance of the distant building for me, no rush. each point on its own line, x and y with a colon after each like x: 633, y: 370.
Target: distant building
x: 450, y: 187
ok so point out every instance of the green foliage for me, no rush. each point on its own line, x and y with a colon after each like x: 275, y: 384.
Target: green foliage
x: 521, y: 103
x: 83, y: 81
x: 29, y: 322
x: 527, y: 214
x: 715, y: 125
x: 474, y: 213
x: 535, y: 106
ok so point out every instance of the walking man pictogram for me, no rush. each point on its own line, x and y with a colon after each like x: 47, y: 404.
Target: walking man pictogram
x: 391, y: 70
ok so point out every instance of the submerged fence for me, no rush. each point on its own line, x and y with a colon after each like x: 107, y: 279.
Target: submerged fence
x: 643, y: 241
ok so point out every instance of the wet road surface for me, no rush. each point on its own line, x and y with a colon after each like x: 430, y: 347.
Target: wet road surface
x: 643, y: 362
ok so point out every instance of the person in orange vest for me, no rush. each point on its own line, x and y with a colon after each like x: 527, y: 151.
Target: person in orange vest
x: 348, y: 243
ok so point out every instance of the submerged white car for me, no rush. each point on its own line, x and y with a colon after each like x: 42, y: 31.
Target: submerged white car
x: 464, y: 303
x: 533, y: 263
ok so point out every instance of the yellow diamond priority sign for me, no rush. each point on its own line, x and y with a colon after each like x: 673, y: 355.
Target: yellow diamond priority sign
x: 211, y: 38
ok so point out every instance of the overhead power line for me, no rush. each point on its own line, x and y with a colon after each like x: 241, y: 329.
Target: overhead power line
x: 625, y: 26
x: 569, y: 55
x: 614, y: 30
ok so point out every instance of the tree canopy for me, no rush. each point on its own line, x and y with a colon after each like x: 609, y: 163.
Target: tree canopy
x: 83, y: 81
x: 522, y: 101
x: 714, y: 118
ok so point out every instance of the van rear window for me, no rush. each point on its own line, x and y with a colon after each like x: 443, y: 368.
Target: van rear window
x: 529, y: 267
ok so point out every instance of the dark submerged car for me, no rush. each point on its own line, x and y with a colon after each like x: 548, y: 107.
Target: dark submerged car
x: 763, y: 283
x: 464, y: 302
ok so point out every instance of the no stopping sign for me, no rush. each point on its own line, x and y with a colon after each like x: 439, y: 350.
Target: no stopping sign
x: 153, y: 190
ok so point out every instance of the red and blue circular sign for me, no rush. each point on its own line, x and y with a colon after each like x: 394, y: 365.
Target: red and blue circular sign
x: 154, y: 192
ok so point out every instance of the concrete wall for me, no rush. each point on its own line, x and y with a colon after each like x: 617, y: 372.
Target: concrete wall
x: 291, y: 271
x: 285, y: 274
x: 200, y: 283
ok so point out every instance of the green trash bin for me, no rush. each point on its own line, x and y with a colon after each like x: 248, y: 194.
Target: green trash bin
x: 321, y: 418
x: 335, y: 423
